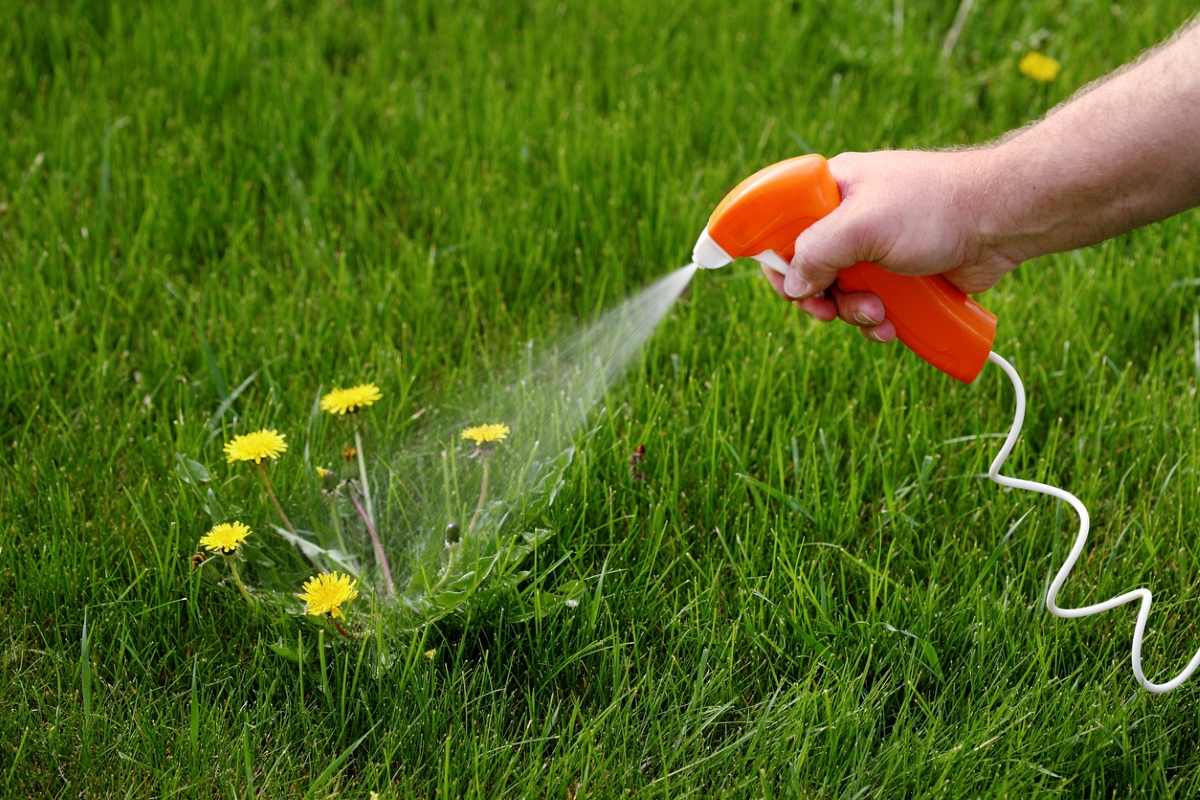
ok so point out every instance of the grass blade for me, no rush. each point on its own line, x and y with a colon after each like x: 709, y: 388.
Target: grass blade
x: 194, y: 712
x: 247, y: 759
x: 85, y: 677
x: 16, y: 759
x: 324, y: 777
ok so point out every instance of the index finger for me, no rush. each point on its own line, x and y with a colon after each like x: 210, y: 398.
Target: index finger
x: 819, y: 305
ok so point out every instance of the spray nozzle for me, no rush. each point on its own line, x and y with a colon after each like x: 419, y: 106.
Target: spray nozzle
x: 707, y: 254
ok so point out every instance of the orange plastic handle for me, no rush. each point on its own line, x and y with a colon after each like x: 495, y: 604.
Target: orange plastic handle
x: 768, y: 210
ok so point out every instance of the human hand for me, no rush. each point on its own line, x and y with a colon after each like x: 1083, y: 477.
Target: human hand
x: 912, y: 213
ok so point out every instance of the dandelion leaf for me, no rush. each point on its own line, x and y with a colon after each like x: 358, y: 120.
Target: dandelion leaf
x: 190, y: 471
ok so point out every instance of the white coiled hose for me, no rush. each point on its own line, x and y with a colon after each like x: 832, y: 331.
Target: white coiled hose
x: 1142, y: 594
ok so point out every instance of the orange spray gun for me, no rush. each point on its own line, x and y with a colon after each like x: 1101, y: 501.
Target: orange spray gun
x: 764, y: 214
x: 761, y: 219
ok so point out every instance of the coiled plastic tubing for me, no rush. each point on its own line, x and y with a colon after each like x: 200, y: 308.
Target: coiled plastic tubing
x: 1141, y: 595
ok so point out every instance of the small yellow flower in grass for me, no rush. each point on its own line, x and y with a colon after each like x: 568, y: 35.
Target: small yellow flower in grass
x: 1041, y: 68
x: 348, y: 401
x: 225, y: 537
x: 486, y: 434
x: 326, y: 592
x: 431, y: 653
x: 257, y: 447
x: 328, y: 478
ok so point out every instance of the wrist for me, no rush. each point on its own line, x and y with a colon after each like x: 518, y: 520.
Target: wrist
x: 1000, y: 205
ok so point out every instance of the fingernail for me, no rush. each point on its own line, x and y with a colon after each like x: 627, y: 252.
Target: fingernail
x: 863, y: 319
x: 874, y: 336
x: 794, y: 285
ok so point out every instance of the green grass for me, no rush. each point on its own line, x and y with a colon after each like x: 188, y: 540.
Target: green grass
x: 308, y: 192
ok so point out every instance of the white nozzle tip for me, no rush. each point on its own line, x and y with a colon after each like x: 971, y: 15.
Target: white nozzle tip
x: 708, y: 254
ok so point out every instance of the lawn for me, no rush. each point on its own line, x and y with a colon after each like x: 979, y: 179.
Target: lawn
x: 211, y: 211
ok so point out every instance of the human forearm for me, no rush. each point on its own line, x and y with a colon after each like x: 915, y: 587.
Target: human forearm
x: 1120, y: 156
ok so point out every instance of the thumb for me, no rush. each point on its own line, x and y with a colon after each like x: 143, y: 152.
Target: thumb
x: 821, y: 250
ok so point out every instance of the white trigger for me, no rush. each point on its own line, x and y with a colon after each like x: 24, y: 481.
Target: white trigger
x: 769, y: 258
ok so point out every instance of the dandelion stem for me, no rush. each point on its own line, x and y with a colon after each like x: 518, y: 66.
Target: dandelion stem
x: 237, y: 579
x: 362, y: 471
x: 262, y: 471
x: 337, y: 522
x: 345, y: 632
x: 483, y: 487
x: 445, y: 573
x: 380, y: 556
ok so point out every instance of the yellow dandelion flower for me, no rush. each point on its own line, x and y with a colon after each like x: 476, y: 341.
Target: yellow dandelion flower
x: 485, y: 434
x: 1041, y: 68
x: 348, y: 401
x: 325, y: 593
x: 225, y: 537
x: 431, y: 653
x: 328, y: 478
x: 257, y: 447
